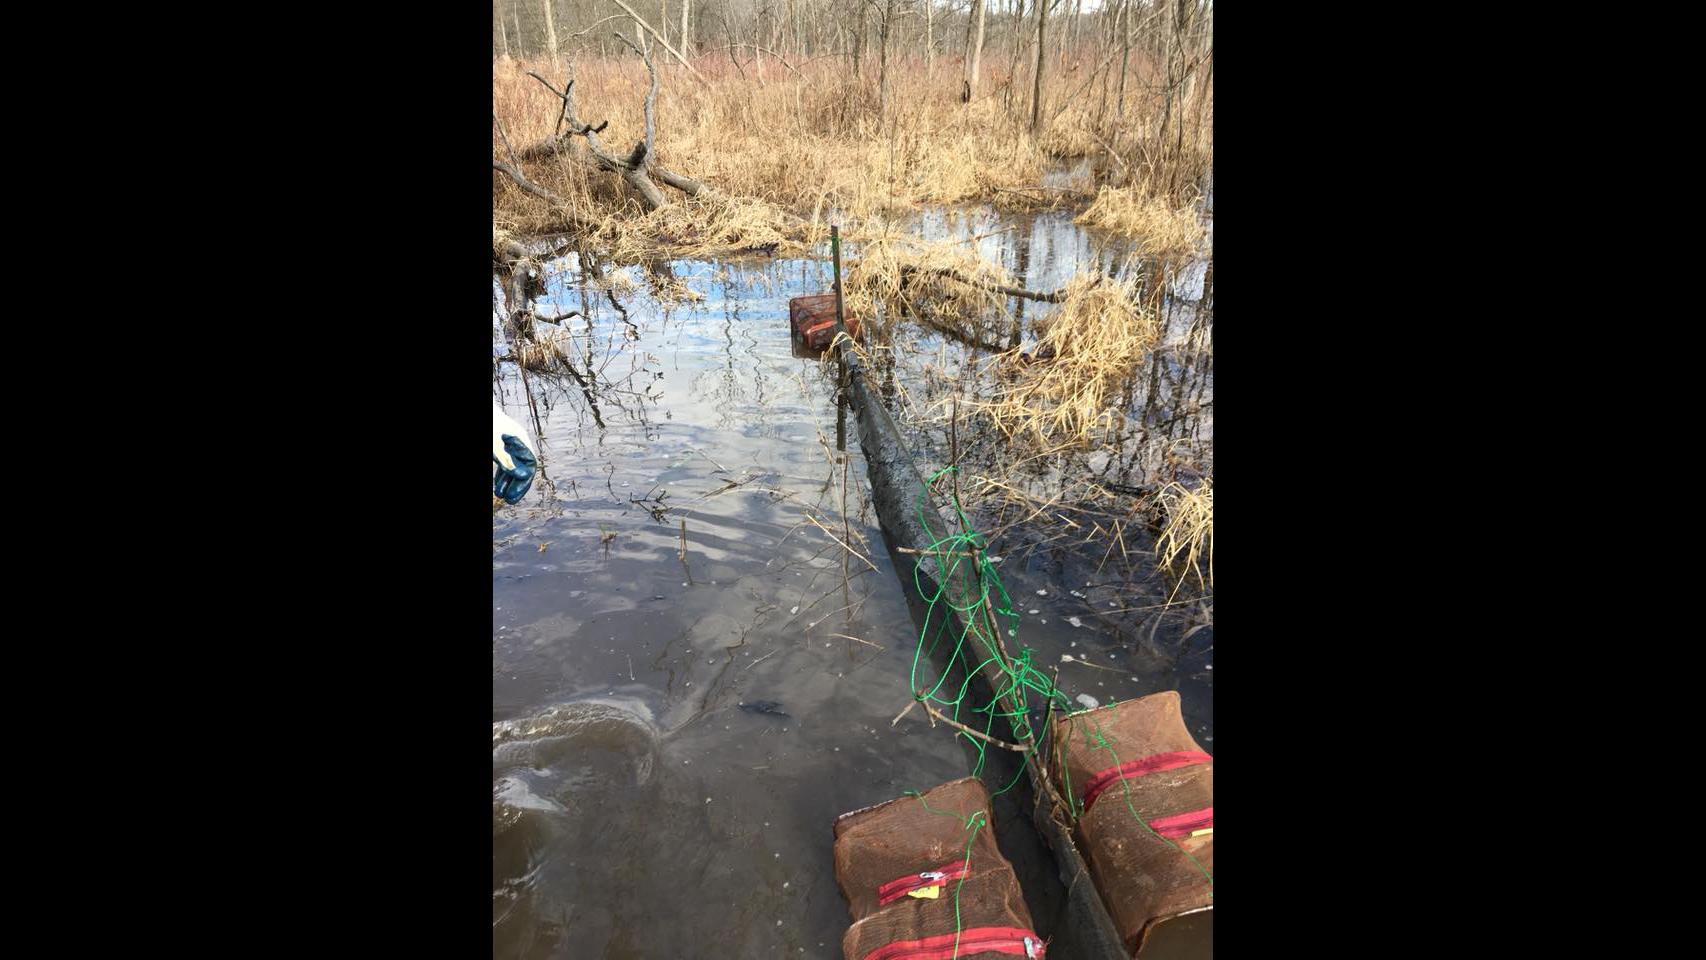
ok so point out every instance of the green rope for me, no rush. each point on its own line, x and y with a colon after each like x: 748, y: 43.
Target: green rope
x: 974, y: 823
x: 963, y: 555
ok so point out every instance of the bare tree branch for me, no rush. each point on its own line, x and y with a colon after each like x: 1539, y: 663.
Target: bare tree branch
x: 566, y: 95
x: 505, y: 137
x: 939, y: 715
x: 651, y: 94
x: 524, y: 183
x: 773, y: 53
x: 673, y: 52
x: 614, y: 16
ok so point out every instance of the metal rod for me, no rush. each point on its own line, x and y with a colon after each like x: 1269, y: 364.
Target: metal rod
x: 840, y: 327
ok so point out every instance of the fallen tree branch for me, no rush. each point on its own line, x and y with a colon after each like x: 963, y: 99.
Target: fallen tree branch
x: 634, y: 168
x: 941, y: 327
x: 572, y: 218
x: 687, y: 185
x: 1055, y: 296
x: 524, y: 183
x: 547, y: 148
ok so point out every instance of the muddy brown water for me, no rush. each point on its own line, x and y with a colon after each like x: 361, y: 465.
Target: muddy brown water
x: 672, y: 739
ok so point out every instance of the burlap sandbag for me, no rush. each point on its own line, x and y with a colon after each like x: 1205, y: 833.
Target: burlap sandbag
x: 1145, y: 791
x: 881, y: 853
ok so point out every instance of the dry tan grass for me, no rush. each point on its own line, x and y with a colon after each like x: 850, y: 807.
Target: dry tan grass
x: 807, y: 144
x: 896, y: 276
x: 704, y: 226
x: 1158, y: 228
x: 1072, y: 134
x: 1187, y: 540
x: 1090, y: 349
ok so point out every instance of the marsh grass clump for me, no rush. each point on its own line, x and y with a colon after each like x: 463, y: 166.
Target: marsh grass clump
x: 710, y: 225
x: 944, y: 284
x: 1186, y: 542
x: 1065, y: 393
x: 1157, y: 228
x: 1072, y: 134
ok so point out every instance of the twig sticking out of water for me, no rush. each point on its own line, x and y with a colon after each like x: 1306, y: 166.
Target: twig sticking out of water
x: 932, y: 553
x: 906, y: 710
x: 867, y: 643
x: 713, y: 462
x: 1085, y: 663
x: 837, y: 539
x: 967, y: 730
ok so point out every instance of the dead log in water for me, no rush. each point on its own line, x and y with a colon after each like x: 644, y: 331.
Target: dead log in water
x: 903, y: 506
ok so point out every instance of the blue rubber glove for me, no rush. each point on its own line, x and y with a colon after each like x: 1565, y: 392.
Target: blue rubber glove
x: 515, y: 460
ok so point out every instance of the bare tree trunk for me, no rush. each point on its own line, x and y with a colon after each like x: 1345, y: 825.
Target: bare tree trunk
x: 1061, y: 33
x: 758, y: 48
x: 859, y: 43
x: 883, y: 61
x: 1013, y: 58
x: 550, y: 33
x: 1106, y: 48
x: 929, y: 41
x: 1037, y: 87
x: 974, y: 50
x: 686, y: 41
x: 663, y: 19
x: 1125, y: 62
x: 503, y: 29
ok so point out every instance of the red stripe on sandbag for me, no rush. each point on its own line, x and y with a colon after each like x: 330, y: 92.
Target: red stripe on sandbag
x: 895, y: 889
x: 1138, y: 768
x: 1008, y: 940
x: 1182, y: 824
